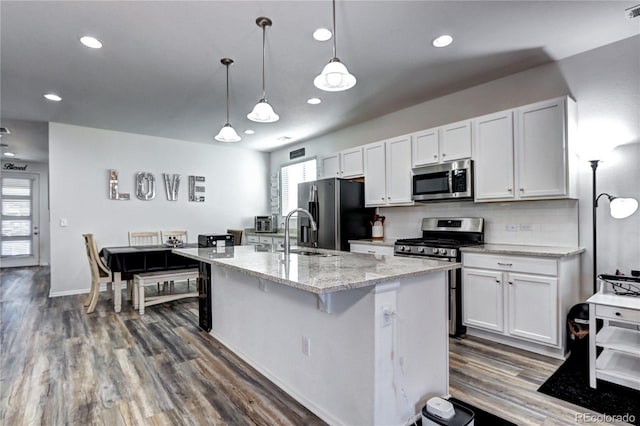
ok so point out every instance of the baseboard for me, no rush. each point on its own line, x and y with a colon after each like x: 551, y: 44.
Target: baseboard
x: 557, y: 353
x: 103, y: 287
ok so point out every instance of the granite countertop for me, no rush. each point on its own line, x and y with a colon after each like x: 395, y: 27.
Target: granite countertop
x: 384, y: 242
x: 320, y: 275
x: 543, y: 251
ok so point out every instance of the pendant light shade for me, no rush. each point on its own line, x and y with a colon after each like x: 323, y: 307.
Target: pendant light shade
x: 334, y: 76
x: 263, y: 112
x: 227, y: 133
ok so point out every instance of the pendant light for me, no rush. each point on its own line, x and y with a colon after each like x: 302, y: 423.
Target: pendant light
x: 334, y: 77
x: 263, y: 112
x: 227, y: 133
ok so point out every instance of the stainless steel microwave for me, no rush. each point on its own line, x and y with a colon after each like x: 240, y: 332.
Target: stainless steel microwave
x: 443, y: 182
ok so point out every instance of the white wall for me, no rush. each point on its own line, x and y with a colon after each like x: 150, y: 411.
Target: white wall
x: 606, y: 85
x: 42, y: 170
x: 79, y: 160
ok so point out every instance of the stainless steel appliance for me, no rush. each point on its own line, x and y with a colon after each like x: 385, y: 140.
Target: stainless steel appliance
x: 266, y: 224
x: 441, y: 240
x: 443, y: 182
x: 337, y: 206
x: 215, y: 240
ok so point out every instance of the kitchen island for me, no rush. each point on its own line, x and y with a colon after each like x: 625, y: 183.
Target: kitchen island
x: 356, y: 338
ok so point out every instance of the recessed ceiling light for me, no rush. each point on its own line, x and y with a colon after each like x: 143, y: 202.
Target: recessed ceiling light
x: 322, y: 34
x: 314, y: 101
x: 9, y: 154
x: 53, y: 97
x: 91, y: 42
x: 249, y: 132
x: 443, y: 41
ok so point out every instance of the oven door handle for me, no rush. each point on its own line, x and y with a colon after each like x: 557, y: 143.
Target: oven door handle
x: 450, y: 180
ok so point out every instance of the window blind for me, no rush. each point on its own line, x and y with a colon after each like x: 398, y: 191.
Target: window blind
x: 17, y: 217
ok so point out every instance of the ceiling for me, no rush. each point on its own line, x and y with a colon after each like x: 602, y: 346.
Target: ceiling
x: 159, y: 71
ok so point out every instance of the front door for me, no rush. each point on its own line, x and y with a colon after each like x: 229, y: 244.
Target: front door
x: 20, y: 244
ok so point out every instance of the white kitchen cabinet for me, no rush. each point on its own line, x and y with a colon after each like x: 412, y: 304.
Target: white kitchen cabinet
x: 253, y: 239
x: 525, y: 153
x: 266, y: 240
x: 329, y: 166
x: 493, y: 155
x: 348, y: 163
x: 387, y: 171
x: 447, y: 143
x: 371, y: 249
x: 519, y: 300
x: 455, y: 141
x: 351, y: 163
x: 424, y: 147
x: 484, y: 289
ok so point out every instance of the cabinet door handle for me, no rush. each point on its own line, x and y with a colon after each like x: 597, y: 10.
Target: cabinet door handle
x: 435, y: 155
x: 505, y: 264
x: 498, y: 281
x: 618, y: 314
x: 371, y: 251
x: 382, y: 198
x: 444, y: 155
x: 510, y: 189
x: 521, y: 189
x: 511, y: 282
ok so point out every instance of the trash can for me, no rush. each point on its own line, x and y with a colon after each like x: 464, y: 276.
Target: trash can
x: 441, y: 412
x: 578, y: 331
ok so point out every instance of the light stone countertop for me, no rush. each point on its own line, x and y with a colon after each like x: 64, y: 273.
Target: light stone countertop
x: 384, y: 242
x: 319, y: 275
x: 542, y: 251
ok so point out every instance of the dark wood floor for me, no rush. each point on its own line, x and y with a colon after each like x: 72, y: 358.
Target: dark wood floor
x: 59, y: 366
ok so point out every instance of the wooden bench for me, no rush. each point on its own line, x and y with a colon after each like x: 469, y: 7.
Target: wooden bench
x: 148, y: 278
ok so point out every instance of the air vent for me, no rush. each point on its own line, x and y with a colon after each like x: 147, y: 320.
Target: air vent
x: 4, y: 131
x: 633, y: 12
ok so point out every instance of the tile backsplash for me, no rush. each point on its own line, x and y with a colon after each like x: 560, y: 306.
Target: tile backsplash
x: 547, y: 223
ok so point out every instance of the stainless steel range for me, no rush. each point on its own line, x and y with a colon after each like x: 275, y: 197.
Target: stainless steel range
x: 441, y: 240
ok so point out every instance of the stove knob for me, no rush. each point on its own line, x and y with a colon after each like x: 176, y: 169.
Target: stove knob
x: 402, y: 248
x: 443, y: 251
x: 408, y: 249
x: 435, y: 251
x: 421, y: 250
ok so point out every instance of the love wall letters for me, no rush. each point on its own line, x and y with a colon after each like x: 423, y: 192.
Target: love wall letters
x: 145, y: 183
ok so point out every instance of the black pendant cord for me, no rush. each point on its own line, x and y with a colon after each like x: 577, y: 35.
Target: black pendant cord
x: 264, y: 37
x: 594, y: 166
x: 227, y: 93
x: 334, y: 28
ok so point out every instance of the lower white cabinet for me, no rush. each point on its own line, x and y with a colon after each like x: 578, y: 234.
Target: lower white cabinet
x: 520, y: 300
x: 371, y: 249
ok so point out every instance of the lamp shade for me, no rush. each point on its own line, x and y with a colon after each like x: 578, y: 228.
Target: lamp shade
x: 263, y: 113
x: 334, y: 77
x: 623, y: 207
x: 227, y: 134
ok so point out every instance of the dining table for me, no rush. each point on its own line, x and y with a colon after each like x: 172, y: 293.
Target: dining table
x: 126, y: 261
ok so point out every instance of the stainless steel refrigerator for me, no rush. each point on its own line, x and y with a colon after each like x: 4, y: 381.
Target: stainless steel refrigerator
x: 337, y: 205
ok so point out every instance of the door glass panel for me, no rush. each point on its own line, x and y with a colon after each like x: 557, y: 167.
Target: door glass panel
x: 16, y: 248
x: 17, y: 217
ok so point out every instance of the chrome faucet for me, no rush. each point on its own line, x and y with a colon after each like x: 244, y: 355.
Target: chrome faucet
x: 287, y: 236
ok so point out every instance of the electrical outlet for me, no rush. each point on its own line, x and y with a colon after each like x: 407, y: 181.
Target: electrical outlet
x: 63, y: 222
x: 526, y: 227
x: 306, y: 346
x: 512, y: 227
x: 387, y: 316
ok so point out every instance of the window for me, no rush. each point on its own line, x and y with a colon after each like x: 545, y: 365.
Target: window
x: 292, y: 175
x: 17, y: 217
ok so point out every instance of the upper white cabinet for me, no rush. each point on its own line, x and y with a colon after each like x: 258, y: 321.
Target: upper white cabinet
x: 524, y: 153
x: 387, y: 171
x: 351, y: 162
x: 446, y: 143
x: 329, y: 166
x: 344, y: 164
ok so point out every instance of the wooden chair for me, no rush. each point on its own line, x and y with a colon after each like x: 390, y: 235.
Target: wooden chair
x: 144, y: 238
x: 178, y: 235
x: 100, y: 273
x: 237, y: 236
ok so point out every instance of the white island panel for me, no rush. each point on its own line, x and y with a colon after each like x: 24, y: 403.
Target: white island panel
x: 359, y: 366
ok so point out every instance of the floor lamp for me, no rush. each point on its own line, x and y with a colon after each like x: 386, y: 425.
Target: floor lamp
x: 619, y: 209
